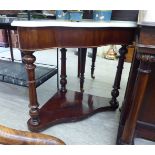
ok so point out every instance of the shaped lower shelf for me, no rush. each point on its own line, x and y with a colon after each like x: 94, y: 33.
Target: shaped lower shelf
x: 69, y: 107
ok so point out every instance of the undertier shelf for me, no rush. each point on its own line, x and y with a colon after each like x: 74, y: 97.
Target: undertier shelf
x: 69, y: 107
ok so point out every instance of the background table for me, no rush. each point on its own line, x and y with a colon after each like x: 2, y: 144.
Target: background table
x: 14, y: 72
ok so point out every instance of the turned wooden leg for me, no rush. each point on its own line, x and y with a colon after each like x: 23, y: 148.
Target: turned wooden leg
x: 83, y: 52
x: 78, y: 75
x: 29, y: 60
x: 144, y: 71
x: 63, y: 80
x: 10, y: 44
x: 115, y: 92
x: 93, y: 62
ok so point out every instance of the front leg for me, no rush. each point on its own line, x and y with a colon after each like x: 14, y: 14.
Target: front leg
x: 29, y: 60
x: 115, y: 92
x: 83, y: 52
x: 93, y: 62
x: 63, y: 76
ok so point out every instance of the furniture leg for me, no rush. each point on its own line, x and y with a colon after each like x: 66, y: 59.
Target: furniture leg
x: 29, y: 60
x: 144, y: 71
x: 57, y: 69
x: 10, y: 44
x: 6, y: 42
x: 22, y: 55
x: 127, y: 103
x: 63, y: 80
x: 78, y: 63
x: 82, y: 52
x: 115, y: 92
x: 93, y: 62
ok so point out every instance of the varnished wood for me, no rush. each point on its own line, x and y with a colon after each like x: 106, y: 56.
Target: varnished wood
x: 115, y: 92
x: 10, y: 44
x: 29, y: 60
x: 7, y: 41
x: 3, y: 38
x: 127, y: 103
x: 9, y: 136
x: 7, y: 27
x: 146, y: 118
x: 139, y: 90
x: 63, y: 80
x: 49, y: 37
x: 94, y: 52
x: 147, y: 36
x: 82, y: 55
x: 32, y: 39
x: 130, y: 54
x: 137, y: 116
x: 78, y: 53
x: 145, y: 129
x: 68, y: 107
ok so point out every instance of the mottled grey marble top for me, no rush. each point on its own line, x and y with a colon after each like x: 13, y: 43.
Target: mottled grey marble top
x: 15, y: 73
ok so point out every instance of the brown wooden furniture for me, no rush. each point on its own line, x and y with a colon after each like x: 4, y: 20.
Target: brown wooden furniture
x: 68, y: 105
x: 15, y: 72
x: 138, y: 112
x: 93, y: 56
x: 7, y: 29
x: 9, y: 136
x: 3, y: 38
x: 130, y: 54
x: 6, y: 37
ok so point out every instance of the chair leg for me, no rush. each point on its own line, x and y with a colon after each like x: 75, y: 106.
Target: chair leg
x: 82, y: 52
x: 93, y: 62
x: 10, y: 44
x: 78, y: 75
x: 22, y: 55
x: 57, y: 69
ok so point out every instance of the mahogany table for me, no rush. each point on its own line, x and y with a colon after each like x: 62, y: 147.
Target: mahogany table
x: 68, y: 105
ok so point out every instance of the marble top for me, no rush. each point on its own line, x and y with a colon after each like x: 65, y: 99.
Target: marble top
x: 147, y: 23
x: 58, y: 23
x: 146, y: 17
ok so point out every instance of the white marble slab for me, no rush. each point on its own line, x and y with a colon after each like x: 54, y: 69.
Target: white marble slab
x: 53, y: 23
x: 146, y: 16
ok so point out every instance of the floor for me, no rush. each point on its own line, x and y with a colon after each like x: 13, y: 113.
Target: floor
x: 99, y: 129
